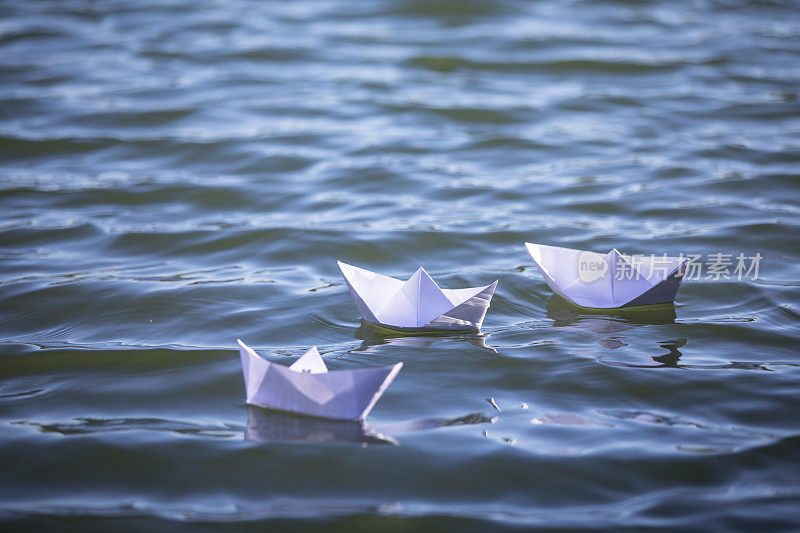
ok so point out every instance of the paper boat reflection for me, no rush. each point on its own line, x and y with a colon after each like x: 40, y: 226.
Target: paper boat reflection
x: 307, y: 387
x: 267, y: 425
x: 417, y: 304
x: 606, y: 322
x: 374, y: 336
x: 607, y: 281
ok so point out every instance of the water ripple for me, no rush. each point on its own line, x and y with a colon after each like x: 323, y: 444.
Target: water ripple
x: 174, y: 176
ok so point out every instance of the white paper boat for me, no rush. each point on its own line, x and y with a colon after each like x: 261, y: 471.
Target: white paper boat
x: 589, y: 279
x: 308, y: 388
x: 416, y: 304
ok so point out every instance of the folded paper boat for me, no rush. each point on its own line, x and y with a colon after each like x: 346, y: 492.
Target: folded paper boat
x: 612, y: 280
x: 307, y: 387
x: 416, y: 304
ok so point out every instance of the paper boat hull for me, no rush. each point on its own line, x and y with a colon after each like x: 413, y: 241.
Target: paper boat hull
x: 662, y: 293
x: 338, y: 394
x: 560, y: 268
x: 467, y: 316
x: 425, y: 329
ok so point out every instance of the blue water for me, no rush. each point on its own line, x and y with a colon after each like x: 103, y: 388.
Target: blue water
x: 177, y: 175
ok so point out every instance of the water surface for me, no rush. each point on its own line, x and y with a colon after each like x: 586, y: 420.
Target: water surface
x: 176, y: 175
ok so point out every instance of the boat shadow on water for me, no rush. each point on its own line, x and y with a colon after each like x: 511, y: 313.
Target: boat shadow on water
x: 609, y: 323
x: 266, y: 425
x: 373, y: 336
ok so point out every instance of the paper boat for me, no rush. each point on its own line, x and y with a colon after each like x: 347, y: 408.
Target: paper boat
x: 589, y: 279
x: 416, y: 304
x: 308, y: 388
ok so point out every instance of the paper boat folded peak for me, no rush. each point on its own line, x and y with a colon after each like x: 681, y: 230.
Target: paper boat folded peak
x: 307, y: 387
x: 416, y: 304
x: 607, y: 281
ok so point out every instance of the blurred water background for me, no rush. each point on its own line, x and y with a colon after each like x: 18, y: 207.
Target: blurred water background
x: 175, y: 175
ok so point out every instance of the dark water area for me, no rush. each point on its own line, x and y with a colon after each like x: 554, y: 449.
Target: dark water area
x: 176, y: 175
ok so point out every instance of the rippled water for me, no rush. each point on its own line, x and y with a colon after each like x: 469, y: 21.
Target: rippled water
x: 174, y: 175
